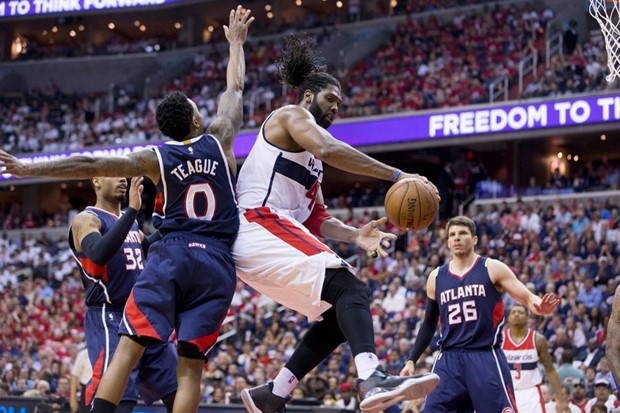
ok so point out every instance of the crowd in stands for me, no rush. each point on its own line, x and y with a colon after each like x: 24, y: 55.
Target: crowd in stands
x: 111, y: 43
x: 413, y: 71
x: 572, y: 248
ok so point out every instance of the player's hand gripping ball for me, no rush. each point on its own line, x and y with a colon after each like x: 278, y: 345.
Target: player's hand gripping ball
x: 411, y: 204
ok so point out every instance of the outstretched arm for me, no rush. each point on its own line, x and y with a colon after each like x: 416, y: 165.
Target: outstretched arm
x: 369, y: 237
x: 503, y: 277
x: 302, y: 127
x: 83, y: 167
x: 613, y: 337
x: 229, y: 116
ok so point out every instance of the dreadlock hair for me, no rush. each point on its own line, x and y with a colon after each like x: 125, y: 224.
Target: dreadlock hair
x: 302, y: 66
x: 174, y: 116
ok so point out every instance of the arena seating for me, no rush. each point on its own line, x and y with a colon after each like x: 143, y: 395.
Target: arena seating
x: 553, y: 248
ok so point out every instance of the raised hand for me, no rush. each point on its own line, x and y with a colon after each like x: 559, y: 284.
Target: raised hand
x: 12, y: 165
x: 135, y: 193
x: 548, y: 303
x: 238, y: 23
x: 372, y: 240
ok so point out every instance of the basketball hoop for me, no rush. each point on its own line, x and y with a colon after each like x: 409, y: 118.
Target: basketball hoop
x: 607, y: 14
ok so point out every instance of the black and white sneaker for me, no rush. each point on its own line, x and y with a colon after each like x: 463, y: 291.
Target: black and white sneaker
x: 260, y: 399
x: 381, y: 390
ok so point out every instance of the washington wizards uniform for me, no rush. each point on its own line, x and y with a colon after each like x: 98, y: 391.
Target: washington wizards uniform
x: 277, y: 192
x: 107, y: 288
x: 472, y: 367
x: 527, y: 377
x: 189, y: 279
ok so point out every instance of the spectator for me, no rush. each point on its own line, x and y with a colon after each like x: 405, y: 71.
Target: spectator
x: 567, y: 370
x: 602, y: 395
x: 571, y: 38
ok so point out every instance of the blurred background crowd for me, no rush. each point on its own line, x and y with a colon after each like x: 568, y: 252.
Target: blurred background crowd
x: 436, y: 54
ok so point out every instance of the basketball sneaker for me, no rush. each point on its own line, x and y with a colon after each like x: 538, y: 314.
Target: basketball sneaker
x: 260, y: 399
x: 381, y: 390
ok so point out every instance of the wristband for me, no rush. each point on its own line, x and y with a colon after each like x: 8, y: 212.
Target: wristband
x: 396, y: 175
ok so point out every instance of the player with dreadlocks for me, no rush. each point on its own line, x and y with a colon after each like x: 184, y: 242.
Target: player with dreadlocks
x: 278, y: 251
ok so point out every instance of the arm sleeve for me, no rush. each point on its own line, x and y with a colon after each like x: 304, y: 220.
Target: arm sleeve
x: 317, y: 217
x: 148, y: 241
x: 100, y: 248
x: 427, y: 330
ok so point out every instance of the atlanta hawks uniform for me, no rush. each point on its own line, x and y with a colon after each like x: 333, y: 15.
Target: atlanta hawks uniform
x: 189, y: 279
x: 471, y: 365
x: 107, y: 289
x: 526, y: 375
x: 277, y: 190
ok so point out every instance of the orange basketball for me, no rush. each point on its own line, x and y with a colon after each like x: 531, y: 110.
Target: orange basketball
x: 411, y: 204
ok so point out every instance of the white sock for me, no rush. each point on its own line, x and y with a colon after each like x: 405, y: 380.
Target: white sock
x: 284, y: 383
x: 366, y: 363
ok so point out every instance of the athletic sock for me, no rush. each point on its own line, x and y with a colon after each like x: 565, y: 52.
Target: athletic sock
x: 366, y: 363
x: 284, y: 383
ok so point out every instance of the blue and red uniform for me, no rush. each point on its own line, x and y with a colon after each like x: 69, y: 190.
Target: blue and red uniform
x: 473, y: 369
x: 189, y: 279
x: 107, y: 289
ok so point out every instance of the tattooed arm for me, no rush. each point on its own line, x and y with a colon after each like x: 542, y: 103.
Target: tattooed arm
x: 613, y: 337
x: 140, y: 163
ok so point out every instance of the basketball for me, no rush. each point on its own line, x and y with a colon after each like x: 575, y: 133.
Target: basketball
x: 411, y: 204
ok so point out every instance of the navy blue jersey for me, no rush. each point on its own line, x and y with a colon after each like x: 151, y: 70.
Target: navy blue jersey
x: 198, y: 189
x: 110, y: 283
x: 471, y: 310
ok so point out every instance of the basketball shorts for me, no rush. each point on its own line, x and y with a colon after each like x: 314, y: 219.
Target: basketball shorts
x: 187, y: 285
x: 530, y: 400
x: 278, y: 257
x: 471, y: 381
x: 155, y: 375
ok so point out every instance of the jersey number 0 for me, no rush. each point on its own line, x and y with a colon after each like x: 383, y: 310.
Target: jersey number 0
x: 192, y: 193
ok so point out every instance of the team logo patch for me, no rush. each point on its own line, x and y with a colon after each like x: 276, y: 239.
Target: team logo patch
x: 508, y: 410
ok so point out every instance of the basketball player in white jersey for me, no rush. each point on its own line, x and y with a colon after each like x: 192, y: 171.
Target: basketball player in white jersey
x: 278, y: 253
x: 524, y: 349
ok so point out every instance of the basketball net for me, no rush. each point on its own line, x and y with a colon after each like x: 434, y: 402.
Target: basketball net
x: 607, y: 14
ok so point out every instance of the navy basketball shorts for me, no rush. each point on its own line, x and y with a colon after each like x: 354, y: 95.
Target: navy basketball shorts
x: 187, y: 284
x: 472, y: 380
x: 153, y: 378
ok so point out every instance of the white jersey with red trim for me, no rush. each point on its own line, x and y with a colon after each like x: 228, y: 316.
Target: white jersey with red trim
x: 285, y: 181
x: 523, y: 360
x: 274, y: 253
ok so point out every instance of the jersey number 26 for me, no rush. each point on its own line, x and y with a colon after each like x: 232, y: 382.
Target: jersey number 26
x: 459, y: 312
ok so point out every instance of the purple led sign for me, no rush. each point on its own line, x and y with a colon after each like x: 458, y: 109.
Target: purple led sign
x: 16, y: 8
x: 437, y: 125
x: 473, y: 121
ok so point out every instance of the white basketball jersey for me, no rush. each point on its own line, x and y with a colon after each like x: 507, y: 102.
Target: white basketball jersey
x: 287, y: 182
x: 523, y: 360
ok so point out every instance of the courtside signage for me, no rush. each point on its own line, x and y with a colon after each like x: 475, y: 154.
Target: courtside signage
x: 16, y: 8
x: 476, y: 120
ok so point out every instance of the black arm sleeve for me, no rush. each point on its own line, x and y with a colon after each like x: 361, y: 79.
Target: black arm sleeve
x: 427, y: 330
x: 151, y: 239
x: 99, y: 249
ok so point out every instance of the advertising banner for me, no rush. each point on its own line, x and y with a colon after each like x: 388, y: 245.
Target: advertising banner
x: 17, y: 8
x: 448, y: 123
